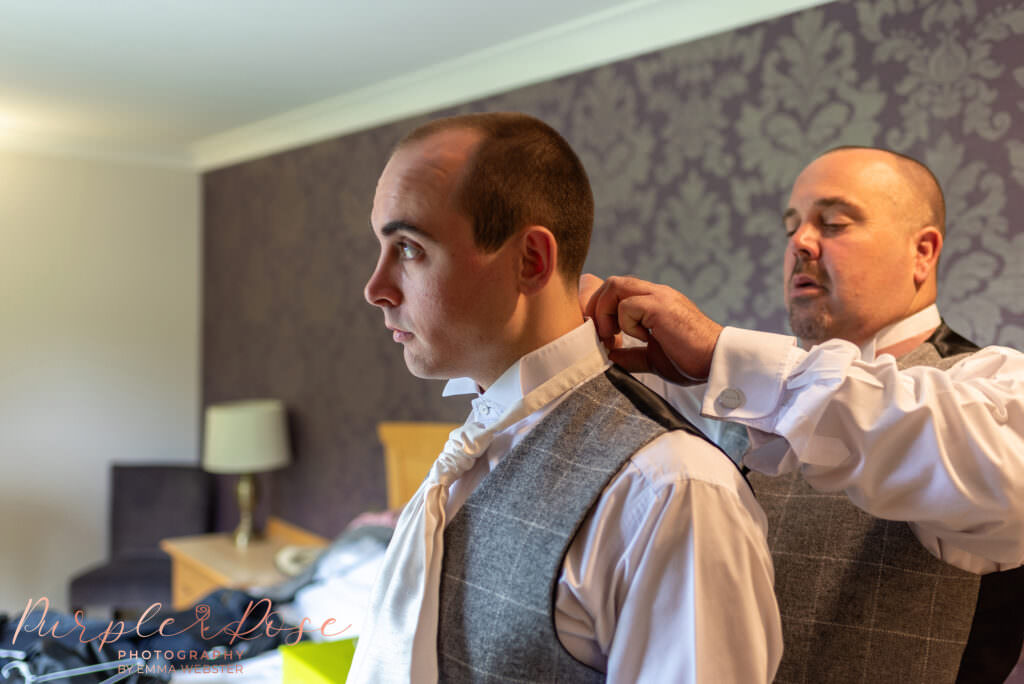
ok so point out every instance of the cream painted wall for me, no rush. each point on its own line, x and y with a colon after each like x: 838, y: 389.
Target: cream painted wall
x: 99, y: 352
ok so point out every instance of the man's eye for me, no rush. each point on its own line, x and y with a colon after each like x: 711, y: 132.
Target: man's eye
x: 408, y: 251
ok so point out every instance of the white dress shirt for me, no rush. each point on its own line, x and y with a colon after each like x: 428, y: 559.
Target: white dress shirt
x: 940, y: 449
x: 669, y: 579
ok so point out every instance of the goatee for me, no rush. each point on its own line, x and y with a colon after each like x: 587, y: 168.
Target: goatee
x: 809, y: 322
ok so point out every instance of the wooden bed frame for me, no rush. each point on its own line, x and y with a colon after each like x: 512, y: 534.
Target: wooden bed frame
x: 410, y: 449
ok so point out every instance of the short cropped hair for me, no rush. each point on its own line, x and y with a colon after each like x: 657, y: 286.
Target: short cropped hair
x: 918, y: 176
x: 521, y: 173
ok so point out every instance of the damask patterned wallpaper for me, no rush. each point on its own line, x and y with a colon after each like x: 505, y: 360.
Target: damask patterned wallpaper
x: 691, y: 151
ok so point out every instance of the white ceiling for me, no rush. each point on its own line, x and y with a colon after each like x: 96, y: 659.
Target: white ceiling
x: 204, y: 83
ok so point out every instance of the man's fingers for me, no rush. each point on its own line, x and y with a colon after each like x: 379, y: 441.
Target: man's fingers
x: 635, y: 314
x: 603, y: 307
x: 681, y: 339
x: 589, y: 285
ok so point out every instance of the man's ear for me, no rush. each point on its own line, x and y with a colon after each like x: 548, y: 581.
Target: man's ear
x: 927, y: 246
x: 538, y: 258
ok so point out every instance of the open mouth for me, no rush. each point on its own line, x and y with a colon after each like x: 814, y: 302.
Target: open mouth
x: 805, y: 285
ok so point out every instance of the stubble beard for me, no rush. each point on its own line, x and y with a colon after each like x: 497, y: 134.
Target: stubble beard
x: 809, y: 321
x: 809, y: 318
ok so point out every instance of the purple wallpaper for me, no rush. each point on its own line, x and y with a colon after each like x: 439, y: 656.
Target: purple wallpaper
x: 691, y: 151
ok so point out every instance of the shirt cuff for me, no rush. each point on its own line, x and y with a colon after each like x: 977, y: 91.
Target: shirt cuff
x: 748, y: 369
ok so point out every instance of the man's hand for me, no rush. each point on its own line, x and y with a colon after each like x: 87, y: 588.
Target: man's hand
x: 589, y: 285
x: 680, y: 338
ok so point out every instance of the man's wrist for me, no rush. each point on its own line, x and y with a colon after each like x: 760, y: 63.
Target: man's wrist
x: 746, y: 374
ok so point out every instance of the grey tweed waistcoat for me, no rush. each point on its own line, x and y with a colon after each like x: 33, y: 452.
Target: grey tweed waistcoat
x: 863, y: 601
x: 505, y: 547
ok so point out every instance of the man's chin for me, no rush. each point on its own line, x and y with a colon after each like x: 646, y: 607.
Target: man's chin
x: 419, y: 371
x: 428, y: 375
x: 423, y: 370
x: 811, y: 327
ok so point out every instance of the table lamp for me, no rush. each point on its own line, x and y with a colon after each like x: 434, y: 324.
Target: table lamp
x: 243, y: 438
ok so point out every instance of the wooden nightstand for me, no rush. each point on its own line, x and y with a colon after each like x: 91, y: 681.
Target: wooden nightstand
x: 204, y: 562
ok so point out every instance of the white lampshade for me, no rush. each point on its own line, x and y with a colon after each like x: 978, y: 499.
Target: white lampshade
x: 245, y: 437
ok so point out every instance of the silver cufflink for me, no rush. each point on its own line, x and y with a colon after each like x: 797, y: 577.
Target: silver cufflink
x: 731, y: 398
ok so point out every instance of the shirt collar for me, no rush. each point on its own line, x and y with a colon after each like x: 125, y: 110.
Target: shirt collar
x: 923, y: 321
x: 533, y: 369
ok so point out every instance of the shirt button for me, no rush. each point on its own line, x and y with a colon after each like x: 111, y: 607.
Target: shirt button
x: 731, y: 398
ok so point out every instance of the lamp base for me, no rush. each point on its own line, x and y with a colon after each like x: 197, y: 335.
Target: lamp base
x: 247, y: 493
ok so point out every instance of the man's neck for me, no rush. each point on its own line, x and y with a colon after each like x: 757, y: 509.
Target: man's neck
x: 904, y: 335
x: 533, y: 332
x: 900, y: 348
x: 535, y: 367
x: 898, y: 337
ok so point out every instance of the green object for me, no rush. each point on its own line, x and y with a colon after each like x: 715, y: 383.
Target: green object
x: 326, y: 662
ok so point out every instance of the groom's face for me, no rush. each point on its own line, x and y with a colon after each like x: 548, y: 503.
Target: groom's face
x: 444, y: 300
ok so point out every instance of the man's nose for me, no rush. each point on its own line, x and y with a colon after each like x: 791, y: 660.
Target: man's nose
x: 380, y: 290
x: 806, y: 241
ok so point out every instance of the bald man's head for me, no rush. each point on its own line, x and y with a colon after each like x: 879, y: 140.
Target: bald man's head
x: 865, y: 229
x: 926, y: 203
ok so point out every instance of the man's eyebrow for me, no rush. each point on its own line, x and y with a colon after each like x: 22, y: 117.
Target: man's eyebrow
x: 824, y: 203
x: 396, y: 226
x: 828, y: 202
